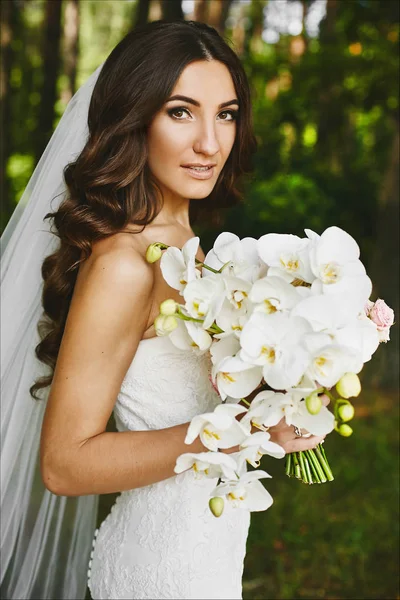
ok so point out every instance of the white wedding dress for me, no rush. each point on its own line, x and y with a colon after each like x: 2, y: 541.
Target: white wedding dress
x: 161, y: 541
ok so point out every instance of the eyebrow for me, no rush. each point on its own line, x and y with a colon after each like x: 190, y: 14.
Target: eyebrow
x: 195, y: 103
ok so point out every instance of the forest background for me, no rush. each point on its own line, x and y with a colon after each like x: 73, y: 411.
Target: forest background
x: 325, y: 82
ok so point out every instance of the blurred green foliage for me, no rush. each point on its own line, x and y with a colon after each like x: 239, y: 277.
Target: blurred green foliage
x: 334, y: 540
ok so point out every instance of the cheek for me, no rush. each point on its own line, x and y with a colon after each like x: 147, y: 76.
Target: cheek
x: 227, y: 139
x: 165, y: 144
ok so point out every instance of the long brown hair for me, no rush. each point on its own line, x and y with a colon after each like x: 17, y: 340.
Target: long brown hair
x: 110, y: 185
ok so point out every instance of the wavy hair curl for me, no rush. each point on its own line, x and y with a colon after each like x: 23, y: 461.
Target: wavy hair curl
x: 109, y: 185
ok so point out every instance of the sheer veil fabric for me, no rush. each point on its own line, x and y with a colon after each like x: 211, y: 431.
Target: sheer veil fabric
x: 45, y: 539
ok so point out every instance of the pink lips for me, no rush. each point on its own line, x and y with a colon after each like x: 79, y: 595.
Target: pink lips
x: 197, y: 174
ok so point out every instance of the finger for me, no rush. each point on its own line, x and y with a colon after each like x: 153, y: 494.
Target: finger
x: 325, y: 399
x: 299, y: 444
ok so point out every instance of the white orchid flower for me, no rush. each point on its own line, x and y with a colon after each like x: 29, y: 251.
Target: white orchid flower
x: 208, y: 464
x: 247, y: 492
x: 330, y: 361
x: 235, y: 378
x: 178, y: 266
x: 218, y: 429
x: 204, y: 298
x: 274, y: 342
x: 338, y: 317
x: 236, y: 306
x: 190, y: 336
x: 271, y: 408
x: 334, y: 260
x: 286, y: 255
x: 266, y: 410
x: 224, y: 347
x: 305, y: 388
x: 240, y: 257
x: 272, y: 294
x: 255, y: 446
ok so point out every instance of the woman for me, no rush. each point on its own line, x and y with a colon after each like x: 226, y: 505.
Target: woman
x: 169, y: 135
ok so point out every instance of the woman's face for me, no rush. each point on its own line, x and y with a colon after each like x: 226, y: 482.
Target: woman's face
x: 191, y: 137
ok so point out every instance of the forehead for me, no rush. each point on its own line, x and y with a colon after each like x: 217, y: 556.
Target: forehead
x: 206, y: 81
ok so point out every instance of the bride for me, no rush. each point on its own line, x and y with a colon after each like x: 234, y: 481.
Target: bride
x: 157, y: 138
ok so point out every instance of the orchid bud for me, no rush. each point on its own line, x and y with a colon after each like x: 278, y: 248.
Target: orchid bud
x: 344, y: 430
x: 168, y: 307
x: 345, y: 411
x: 164, y: 324
x: 216, y: 505
x: 153, y: 253
x: 349, y: 385
x: 313, y: 403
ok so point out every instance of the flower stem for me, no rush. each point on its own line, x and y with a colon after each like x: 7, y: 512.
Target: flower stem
x: 212, y: 329
x: 303, y: 468
x: 324, y: 463
x: 288, y: 466
x: 308, y: 470
x: 297, y: 469
x: 311, y: 456
x: 201, y: 264
x: 314, y: 472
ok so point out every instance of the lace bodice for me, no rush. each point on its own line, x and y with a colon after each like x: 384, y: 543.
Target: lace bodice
x: 164, y: 386
x: 161, y: 541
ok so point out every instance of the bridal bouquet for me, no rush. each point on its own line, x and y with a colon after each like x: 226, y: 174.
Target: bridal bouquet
x: 287, y: 313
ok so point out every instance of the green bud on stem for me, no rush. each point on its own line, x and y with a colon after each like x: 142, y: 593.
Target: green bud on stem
x: 165, y: 324
x: 216, y: 505
x: 345, y: 412
x: 313, y: 403
x: 168, y: 307
x: 344, y: 430
x: 349, y: 385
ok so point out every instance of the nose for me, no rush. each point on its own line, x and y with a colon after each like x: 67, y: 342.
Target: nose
x: 206, y: 141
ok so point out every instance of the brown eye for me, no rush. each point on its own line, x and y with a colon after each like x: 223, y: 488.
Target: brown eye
x: 178, y: 113
x: 228, y: 115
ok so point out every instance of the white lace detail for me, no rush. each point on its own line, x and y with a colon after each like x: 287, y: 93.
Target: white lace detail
x: 161, y: 541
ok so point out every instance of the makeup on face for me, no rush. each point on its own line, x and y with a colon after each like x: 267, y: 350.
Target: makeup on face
x: 190, y: 139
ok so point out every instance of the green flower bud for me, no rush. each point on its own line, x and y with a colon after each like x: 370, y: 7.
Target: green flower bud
x: 165, y: 324
x: 344, y: 430
x: 346, y: 411
x: 313, y: 403
x: 168, y: 307
x: 349, y: 385
x: 216, y: 505
x: 153, y: 253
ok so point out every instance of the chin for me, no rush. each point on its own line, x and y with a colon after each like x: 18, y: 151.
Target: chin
x: 198, y: 192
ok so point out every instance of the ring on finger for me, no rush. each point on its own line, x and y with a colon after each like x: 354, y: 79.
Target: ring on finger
x: 297, y: 431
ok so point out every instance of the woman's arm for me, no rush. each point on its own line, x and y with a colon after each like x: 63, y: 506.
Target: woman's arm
x: 107, y: 317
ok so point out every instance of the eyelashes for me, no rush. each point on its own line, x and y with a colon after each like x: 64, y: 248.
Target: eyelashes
x: 232, y: 114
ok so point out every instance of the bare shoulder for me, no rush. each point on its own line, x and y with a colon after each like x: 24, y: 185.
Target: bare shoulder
x: 120, y: 260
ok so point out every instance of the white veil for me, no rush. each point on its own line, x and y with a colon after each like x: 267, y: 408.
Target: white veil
x: 45, y: 539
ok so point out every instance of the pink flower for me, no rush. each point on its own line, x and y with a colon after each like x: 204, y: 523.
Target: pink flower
x: 383, y: 316
x: 368, y: 306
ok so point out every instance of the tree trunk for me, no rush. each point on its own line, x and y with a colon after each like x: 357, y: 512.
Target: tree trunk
x: 384, y: 372
x: 330, y: 117
x: 200, y: 11
x: 51, y: 63
x: 172, y: 10
x: 142, y: 13
x: 218, y: 13
x: 253, y: 40
x: 71, y: 47
x: 7, y: 10
x: 11, y: 16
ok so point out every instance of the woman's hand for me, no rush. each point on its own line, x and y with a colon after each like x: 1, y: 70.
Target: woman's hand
x: 285, y: 436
